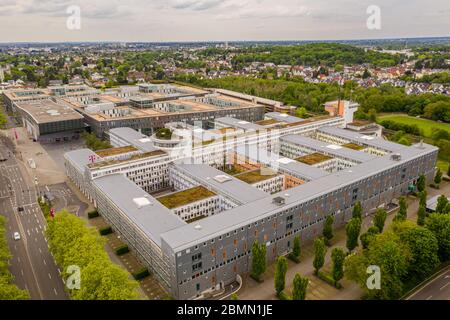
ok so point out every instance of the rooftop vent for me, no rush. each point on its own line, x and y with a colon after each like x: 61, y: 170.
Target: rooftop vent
x: 141, y: 202
x: 279, y: 201
x: 198, y: 227
x: 221, y: 178
x: 334, y: 147
x: 396, y: 157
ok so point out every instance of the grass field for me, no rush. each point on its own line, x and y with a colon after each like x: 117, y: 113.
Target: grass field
x: 424, y: 124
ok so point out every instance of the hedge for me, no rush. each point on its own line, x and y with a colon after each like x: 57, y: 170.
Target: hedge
x: 122, y: 249
x: 141, y: 274
x: 93, y: 214
x: 105, y: 230
x: 328, y: 279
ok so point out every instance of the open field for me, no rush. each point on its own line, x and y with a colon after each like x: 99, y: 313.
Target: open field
x: 424, y: 124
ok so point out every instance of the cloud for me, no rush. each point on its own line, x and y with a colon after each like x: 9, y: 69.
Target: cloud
x: 198, y: 5
x: 278, y: 11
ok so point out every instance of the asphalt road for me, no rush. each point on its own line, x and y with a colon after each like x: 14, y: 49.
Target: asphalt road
x: 32, y: 265
x: 437, y: 288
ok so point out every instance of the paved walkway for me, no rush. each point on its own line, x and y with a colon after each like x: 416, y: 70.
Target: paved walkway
x: 318, y: 289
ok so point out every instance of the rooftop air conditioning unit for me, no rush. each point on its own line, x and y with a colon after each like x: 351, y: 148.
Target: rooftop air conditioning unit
x: 279, y: 201
x: 396, y: 157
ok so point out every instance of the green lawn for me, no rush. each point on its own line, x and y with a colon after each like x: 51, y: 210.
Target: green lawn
x: 424, y: 124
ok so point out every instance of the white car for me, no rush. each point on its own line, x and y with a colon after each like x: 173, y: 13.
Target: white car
x: 16, y: 236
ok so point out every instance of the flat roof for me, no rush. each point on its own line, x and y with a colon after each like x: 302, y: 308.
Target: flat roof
x: 276, y: 162
x: 48, y: 111
x: 255, y: 176
x: 283, y: 117
x: 359, y: 138
x: 184, y: 197
x: 134, y: 138
x: 144, y: 211
x: 238, y: 123
x: 333, y: 150
x: 115, y: 151
x: 139, y: 156
x: 81, y: 158
x: 314, y: 158
x: 221, y: 183
x: 213, y: 226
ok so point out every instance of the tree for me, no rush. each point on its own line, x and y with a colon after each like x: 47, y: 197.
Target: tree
x: 72, y: 243
x: 448, y: 171
x: 439, y: 224
x: 353, y: 229
x: 380, y: 219
x: 392, y: 257
x: 258, y: 260
x: 357, y: 210
x: 338, y: 258
x: 328, y: 229
x: 366, y: 237
x: 421, y: 183
x: 438, y: 177
x: 423, y: 198
x: 234, y: 297
x: 300, y: 285
x: 423, y: 246
x: 421, y: 215
x: 402, y: 211
x: 280, y: 275
x: 441, y: 204
x: 296, y: 250
x: 301, y: 112
x: 319, y: 254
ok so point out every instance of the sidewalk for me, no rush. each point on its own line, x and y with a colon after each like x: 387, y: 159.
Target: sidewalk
x: 318, y: 289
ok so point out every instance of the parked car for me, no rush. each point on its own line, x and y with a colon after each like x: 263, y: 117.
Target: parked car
x: 16, y: 236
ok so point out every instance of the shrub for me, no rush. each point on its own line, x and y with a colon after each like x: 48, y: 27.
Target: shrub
x: 93, y: 214
x: 122, y: 250
x: 141, y: 274
x: 105, y: 230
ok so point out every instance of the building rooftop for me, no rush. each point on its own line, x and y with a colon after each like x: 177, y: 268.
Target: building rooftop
x: 256, y: 176
x: 333, y: 150
x: 365, y: 140
x: 134, y: 138
x: 213, y: 226
x: 81, y: 158
x: 115, y: 151
x: 239, y: 124
x: 47, y: 111
x: 353, y: 146
x: 184, y: 197
x: 222, y: 183
x: 145, y: 212
x: 134, y: 157
x: 276, y: 162
x: 283, y: 117
x: 314, y: 158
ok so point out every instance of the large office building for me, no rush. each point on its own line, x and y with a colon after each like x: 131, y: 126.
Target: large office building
x: 231, y: 190
x: 49, y: 120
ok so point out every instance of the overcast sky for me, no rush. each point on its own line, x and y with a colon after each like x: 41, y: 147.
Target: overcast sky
x: 220, y: 20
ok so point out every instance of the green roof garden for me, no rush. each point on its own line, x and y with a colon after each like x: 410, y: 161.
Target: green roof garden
x: 314, y: 158
x: 184, y: 197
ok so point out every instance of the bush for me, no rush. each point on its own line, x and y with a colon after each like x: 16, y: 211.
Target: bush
x: 93, y: 214
x: 329, y: 279
x: 141, y: 274
x: 122, y: 250
x: 105, y: 231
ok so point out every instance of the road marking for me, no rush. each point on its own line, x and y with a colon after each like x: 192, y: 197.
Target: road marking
x: 429, y: 298
x: 18, y: 259
x: 49, y: 275
x: 21, y: 271
x: 444, y: 285
x: 44, y: 261
x: 40, y: 251
x: 56, y: 292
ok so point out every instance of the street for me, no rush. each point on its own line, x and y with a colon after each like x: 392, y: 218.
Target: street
x: 436, y: 289
x: 32, y: 265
